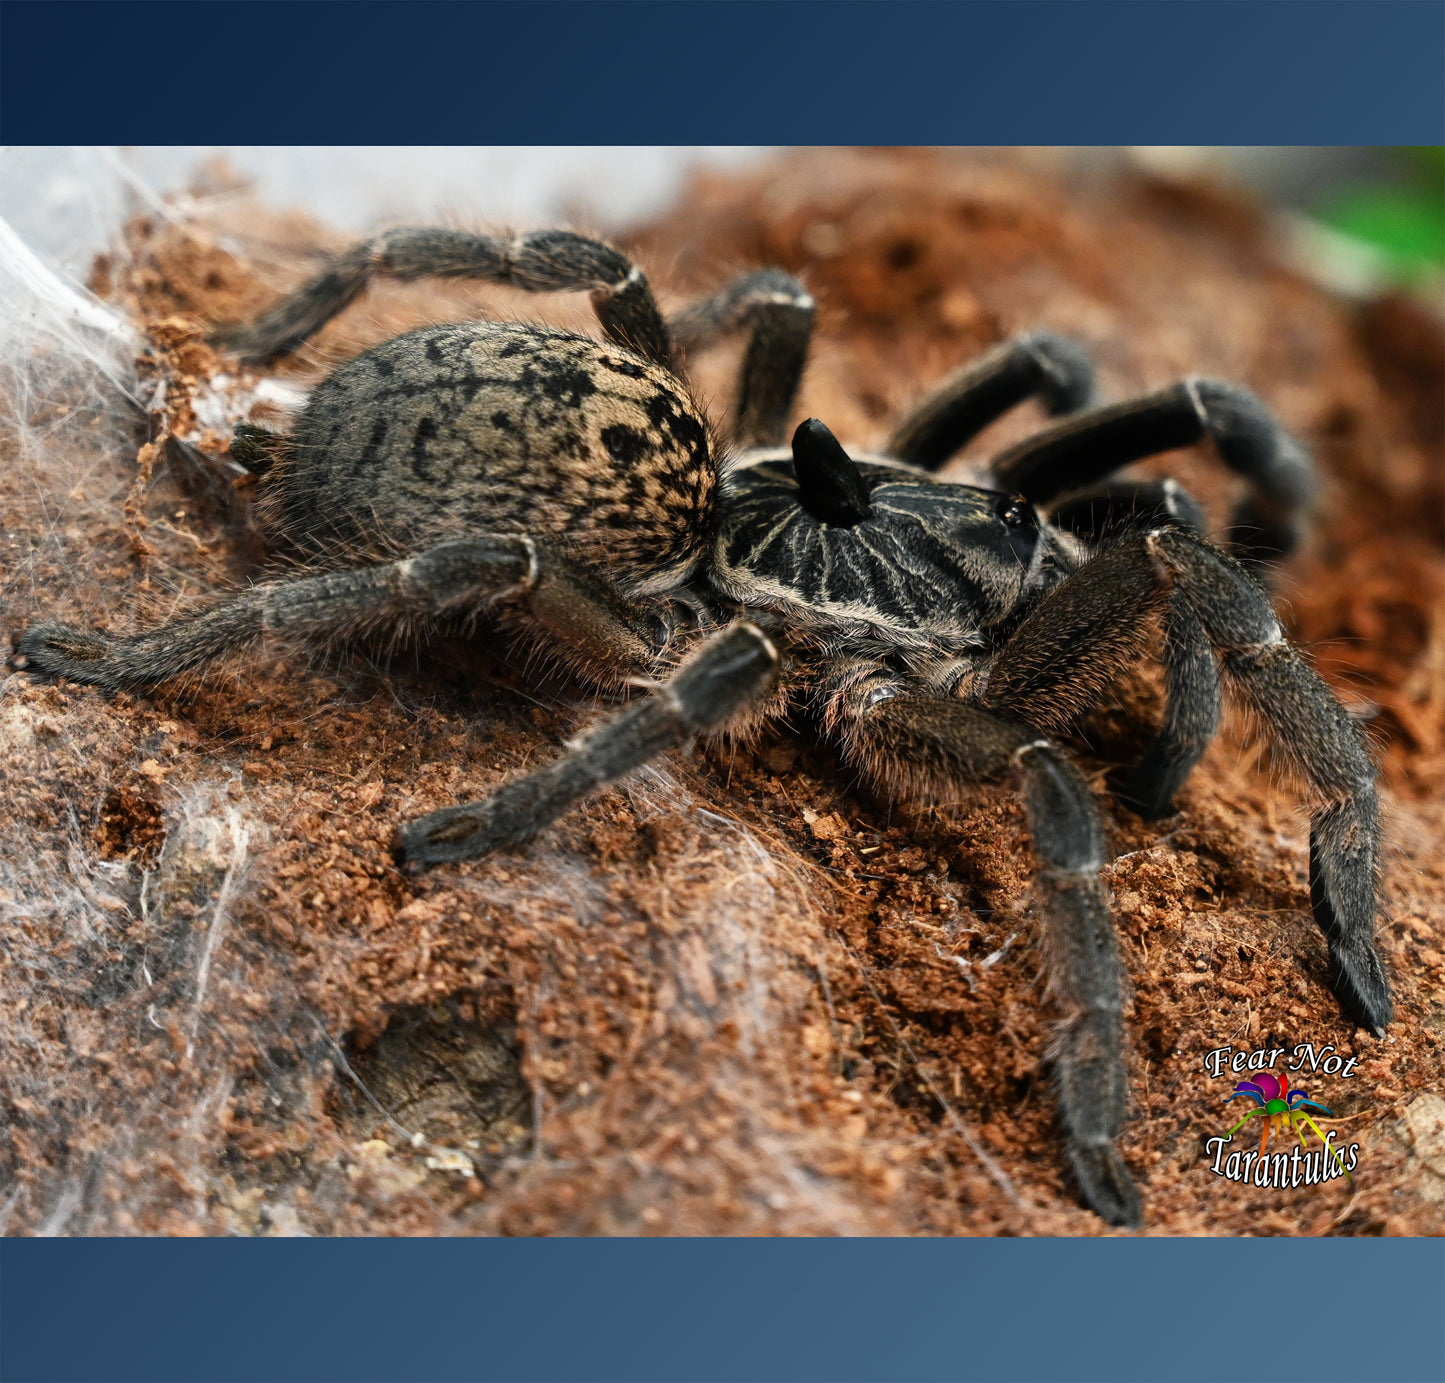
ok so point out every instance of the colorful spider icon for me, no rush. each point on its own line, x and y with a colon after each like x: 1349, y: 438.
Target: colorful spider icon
x: 1282, y: 1108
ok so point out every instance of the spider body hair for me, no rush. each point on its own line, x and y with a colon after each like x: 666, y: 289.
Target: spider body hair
x: 572, y: 490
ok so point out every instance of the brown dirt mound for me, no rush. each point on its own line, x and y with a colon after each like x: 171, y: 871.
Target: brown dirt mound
x: 733, y: 995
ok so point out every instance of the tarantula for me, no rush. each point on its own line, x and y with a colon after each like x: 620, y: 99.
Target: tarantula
x: 570, y: 490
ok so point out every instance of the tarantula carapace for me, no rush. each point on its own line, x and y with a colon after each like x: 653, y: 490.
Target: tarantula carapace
x: 570, y: 490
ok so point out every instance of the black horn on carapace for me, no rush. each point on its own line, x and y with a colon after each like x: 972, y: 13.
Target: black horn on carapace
x: 829, y: 485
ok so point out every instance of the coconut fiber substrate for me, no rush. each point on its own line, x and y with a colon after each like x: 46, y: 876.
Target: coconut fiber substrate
x: 736, y: 993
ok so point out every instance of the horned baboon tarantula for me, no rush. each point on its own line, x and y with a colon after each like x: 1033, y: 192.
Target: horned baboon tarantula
x: 570, y: 490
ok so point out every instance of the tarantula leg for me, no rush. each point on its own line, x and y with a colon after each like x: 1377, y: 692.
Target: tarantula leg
x: 451, y: 575
x: 1191, y: 707
x: 1316, y: 735
x: 731, y: 670
x: 1082, y: 450
x: 257, y: 449
x: 1061, y: 658
x: 1109, y: 510
x: 1191, y: 718
x: 544, y: 261
x: 591, y: 624
x: 1053, y: 368
x: 925, y: 743
x: 1060, y: 661
x: 777, y: 311
x: 1072, y: 646
x: 1085, y: 977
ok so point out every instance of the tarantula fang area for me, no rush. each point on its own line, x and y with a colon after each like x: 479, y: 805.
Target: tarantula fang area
x: 570, y: 492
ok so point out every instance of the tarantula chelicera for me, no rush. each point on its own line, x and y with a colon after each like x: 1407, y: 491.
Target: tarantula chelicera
x: 570, y: 490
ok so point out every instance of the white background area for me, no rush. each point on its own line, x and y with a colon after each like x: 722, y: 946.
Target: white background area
x: 65, y: 203
x: 59, y: 207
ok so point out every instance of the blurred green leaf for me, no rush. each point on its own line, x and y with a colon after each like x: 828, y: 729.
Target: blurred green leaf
x: 1405, y: 219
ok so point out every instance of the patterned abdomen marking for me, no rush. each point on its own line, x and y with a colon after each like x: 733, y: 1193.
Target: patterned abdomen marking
x: 500, y: 427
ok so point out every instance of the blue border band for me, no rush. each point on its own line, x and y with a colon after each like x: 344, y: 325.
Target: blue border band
x: 1165, y: 1310
x: 731, y: 71
x: 646, y: 72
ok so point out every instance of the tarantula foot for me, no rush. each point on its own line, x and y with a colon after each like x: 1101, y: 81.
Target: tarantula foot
x: 510, y: 816
x: 1358, y: 980
x: 1105, y: 1185
x: 1148, y: 787
x: 56, y: 650
x: 257, y: 449
x: 1143, y: 791
x: 1344, y: 904
x: 249, y: 344
x: 445, y: 837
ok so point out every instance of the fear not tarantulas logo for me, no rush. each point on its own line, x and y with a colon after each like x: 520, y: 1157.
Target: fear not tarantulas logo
x: 1283, y: 1111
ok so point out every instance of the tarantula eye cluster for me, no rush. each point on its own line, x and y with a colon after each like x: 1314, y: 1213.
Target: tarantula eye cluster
x: 1016, y: 513
x: 569, y: 489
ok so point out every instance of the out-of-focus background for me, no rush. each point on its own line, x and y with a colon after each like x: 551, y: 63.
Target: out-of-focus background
x: 1359, y: 217
x: 66, y: 202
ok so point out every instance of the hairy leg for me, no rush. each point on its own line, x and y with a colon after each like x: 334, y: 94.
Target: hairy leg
x: 1317, y: 737
x: 1192, y: 693
x: 1039, y: 364
x: 542, y: 262
x: 1062, y: 656
x: 600, y: 631
x: 1191, y: 718
x: 1079, y: 452
x: 1098, y: 514
x: 923, y: 743
x: 730, y: 671
x: 777, y: 312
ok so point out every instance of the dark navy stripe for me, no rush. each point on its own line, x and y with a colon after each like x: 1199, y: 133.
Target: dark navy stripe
x: 727, y: 71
